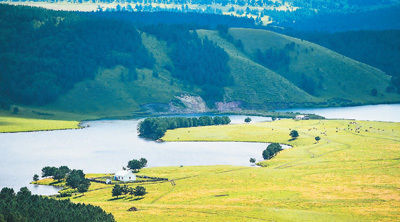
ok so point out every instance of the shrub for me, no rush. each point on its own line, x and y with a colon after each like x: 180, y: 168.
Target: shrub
x: 294, y: 134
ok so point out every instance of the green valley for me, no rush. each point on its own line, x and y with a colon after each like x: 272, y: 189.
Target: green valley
x: 222, y: 110
x: 153, y: 73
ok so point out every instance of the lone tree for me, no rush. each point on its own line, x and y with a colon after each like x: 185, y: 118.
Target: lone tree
x: 117, y: 190
x: 139, y: 191
x: 136, y: 165
x: 252, y: 160
x: 247, y: 120
x: 294, y: 134
x: 271, y: 150
x: 35, y: 177
x: 317, y: 138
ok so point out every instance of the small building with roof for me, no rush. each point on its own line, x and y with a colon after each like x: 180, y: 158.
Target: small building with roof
x: 125, y: 176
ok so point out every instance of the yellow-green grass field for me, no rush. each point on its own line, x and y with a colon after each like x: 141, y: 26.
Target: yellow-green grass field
x: 352, y: 174
x: 18, y: 124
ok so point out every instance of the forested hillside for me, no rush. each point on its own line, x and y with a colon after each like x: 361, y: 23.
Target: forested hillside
x: 114, y: 64
x: 43, y: 54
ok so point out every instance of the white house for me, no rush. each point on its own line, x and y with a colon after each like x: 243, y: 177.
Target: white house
x: 302, y: 117
x: 125, y: 176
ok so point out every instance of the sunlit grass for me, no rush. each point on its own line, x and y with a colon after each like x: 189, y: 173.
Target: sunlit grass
x: 16, y: 124
x: 347, y: 176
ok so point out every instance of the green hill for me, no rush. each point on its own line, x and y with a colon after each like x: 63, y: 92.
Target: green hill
x: 135, y: 70
x: 334, y: 76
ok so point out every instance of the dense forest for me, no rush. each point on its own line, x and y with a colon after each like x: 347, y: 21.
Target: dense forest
x: 23, y: 206
x: 155, y: 128
x: 43, y: 56
x: 197, y: 61
x: 44, y: 53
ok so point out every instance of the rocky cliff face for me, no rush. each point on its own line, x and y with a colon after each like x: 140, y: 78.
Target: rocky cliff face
x: 189, y: 104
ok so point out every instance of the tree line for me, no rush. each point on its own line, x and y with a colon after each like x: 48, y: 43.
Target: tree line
x: 155, y: 128
x: 23, y: 206
x: 119, y: 190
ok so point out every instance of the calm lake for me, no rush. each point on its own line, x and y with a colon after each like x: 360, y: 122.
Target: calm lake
x: 384, y: 112
x: 105, y: 147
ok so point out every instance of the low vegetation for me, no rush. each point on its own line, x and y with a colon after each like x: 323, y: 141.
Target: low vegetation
x: 23, y: 206
x: 17, y: 124
x: 155, y: 128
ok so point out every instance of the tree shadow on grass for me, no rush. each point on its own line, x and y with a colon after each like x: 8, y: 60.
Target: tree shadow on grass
x: 115, y: 198
x: 136, y: 199
x: 75, y: 197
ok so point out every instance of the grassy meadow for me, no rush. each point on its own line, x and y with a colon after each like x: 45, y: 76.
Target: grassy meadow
x: 18, y: 124
x: 352, y: 174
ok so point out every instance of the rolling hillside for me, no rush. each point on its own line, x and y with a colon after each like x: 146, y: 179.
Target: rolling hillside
x: 334, y: 75
x: 154, y: 73
x: 255, y: 86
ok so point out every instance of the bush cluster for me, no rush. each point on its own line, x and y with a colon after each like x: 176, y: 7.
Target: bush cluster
x: 74, y: 178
